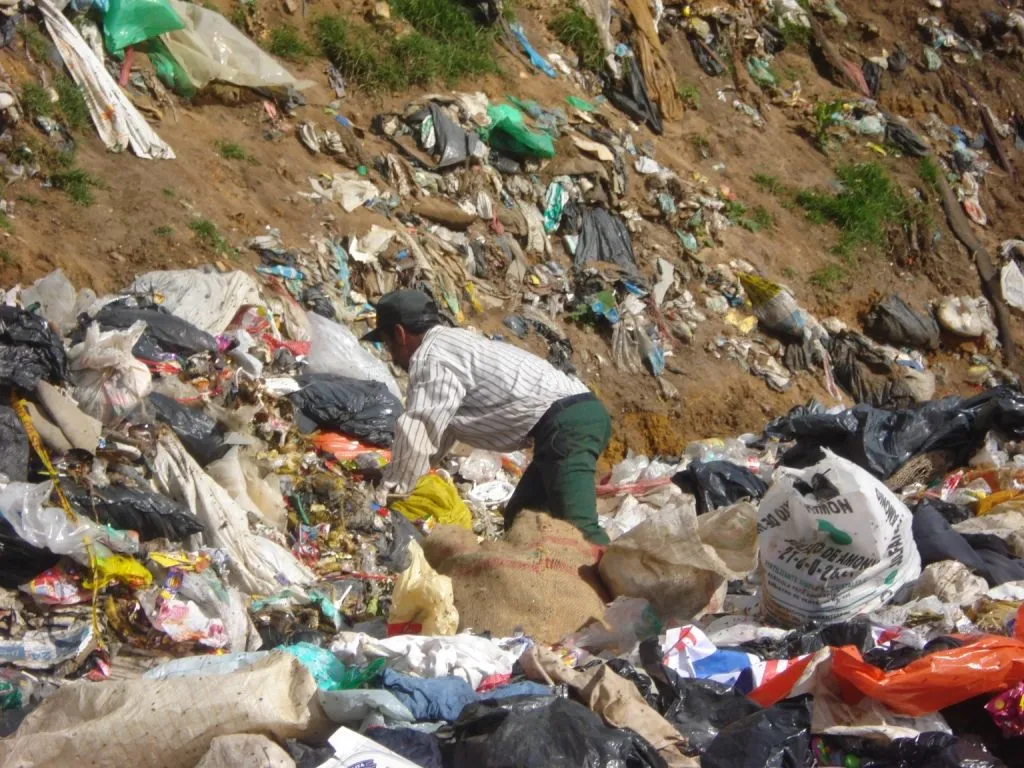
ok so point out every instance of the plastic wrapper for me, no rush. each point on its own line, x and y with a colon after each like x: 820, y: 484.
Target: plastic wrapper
x: 480, y: 466
x: 422, y: 601
x: 209, y: 48
x: 834, y: 542
x: 29, y: 350
x: 719, y: 484
x: 1007, y: 710
x: 364, y: 409
x: 44, y: 649
x: 109, y: 382
x: 895, y: 322
x: 56, y: 298
x: 542, y: 731
x: 984, y: 663
x: 329, y: 673
x: 336, y: 350
x: 631, y: 96
x: 435, y: 498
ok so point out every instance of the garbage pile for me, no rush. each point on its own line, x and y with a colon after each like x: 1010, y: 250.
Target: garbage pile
x: 188, y: 517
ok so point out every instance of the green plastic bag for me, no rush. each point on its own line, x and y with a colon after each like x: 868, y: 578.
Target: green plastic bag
x: 128, y: 22
x: 330, y: 674
x: 168, y: 69
x: 508, y: 133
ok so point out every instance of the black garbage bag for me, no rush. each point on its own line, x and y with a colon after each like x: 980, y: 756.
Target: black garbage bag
x: 888, y: 658
x: 932, y: 749
x: 643, y: 683
x: 952, y: 513
x: 866, y: 373
x: 29, y: 350
x: 363, y: 409
x: 873, y: 77
x: 542, y: 732
x: 881, y: 441
x: 895, y: 322
x: 979, y: 733
x: 898, y: 61
x: 306, y: 756
x: 856, y: 632
x: 705, y: 707
x: 604, y: 237
x: 719, y: 484
x: 152, y: 515
x: 452, y: 144
x: 167, y: 332
x: 985, y: 554
x: 630, y: 95
x: 393, y: 544
x: 197, y: 430
x: 19, y: 560
x: 775, y: 737
x: 904, y: 139
x: 315, y: 299
x: 14, y: 448
x: 419, y: 747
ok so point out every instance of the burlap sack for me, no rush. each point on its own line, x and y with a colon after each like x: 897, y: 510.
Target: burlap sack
x: 541, y: 579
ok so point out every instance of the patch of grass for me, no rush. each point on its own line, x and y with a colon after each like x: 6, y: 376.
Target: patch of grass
x: 576, y: 30
x: 796, y: 35
x: 163, y: 231
x: 768, y: 183
x: 825, y: 118
x: 5, y: 257
x: 34, y: 40
x: 169, y: 192
x: 701, y: 144
x: 76, y: 184
x: 72, y: 104
x: 828, y: 278
x: 929, y: 172
x: 231, y: 151
x: 286, y: 42
x: 788, y: 272
x: 206, y: 232
x: 29, y: 200
x: 753, y: 220
x: 35, y: 101
x: 5, y: 222
x: 864, y: 210
x: 446, y: 44
x: 238, y: 17
x: 688, y: 94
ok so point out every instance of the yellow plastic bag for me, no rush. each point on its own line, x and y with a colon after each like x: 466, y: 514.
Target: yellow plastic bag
x: 118, y: 568
x: 434, y: 497
x: 423, y: 601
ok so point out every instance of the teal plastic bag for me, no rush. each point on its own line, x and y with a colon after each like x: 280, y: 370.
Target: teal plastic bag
x: 329, y: 673
x: 508, y: 133
x: 168, y: 69
x: 129, y: 22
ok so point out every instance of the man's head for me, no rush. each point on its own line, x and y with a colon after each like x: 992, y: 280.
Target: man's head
x: 402, y: 319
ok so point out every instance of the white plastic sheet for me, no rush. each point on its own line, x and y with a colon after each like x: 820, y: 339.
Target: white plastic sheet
x: 56, y: 297
x: 210, y: 48
x: 208, y: 300
x: 830, y: 557
x: 335, y: 349
x: 109, y: 381
x: 117, y: 121
x: 259, y: 566
x: 469, y: 657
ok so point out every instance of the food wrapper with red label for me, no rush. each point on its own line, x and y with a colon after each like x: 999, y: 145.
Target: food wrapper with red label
x: 1007, y: 710
x: 60, y: 585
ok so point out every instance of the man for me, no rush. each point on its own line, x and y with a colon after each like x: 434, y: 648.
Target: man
x: 494, y: 396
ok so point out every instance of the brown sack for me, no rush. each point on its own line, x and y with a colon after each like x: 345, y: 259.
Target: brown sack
x: 542, y: 578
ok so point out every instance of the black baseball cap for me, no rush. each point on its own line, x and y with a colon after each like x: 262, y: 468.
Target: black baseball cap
x: 408, y: 308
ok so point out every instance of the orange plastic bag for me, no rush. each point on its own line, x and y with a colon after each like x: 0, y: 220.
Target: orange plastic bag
x: 988, y: 663
x: 345, y: 448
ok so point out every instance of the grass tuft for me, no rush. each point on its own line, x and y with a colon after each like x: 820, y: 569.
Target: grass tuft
x: 163, y: 231
x: 206, y: 232
x: 867, y: 206
x: 34, y: 40
x: 72, y: 104
x: 753, y: 220
x: 231, y: 151
x: 35, y: 101
x: 768, y: 183
x: 287, y: 42
x: 577, y: 31
x: 829, y: 278
x: 688, y: 94
x: 929, y: 173
x: 445, y: 44
x: 76, y: 184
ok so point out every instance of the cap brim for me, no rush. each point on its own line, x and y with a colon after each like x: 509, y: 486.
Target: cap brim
x: 373, y: 336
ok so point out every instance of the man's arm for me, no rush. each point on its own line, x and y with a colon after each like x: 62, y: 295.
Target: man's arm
x: 433, y: 399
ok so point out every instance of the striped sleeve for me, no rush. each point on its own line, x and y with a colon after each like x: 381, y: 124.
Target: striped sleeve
x: 433, y: 400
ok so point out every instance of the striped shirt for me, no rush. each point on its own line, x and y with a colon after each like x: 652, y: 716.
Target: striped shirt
x: 487, y: 394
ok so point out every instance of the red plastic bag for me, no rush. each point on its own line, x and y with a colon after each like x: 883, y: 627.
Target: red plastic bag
x: 345, y: 448
x: 987, y: 663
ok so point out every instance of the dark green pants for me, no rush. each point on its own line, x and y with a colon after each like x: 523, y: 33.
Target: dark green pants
x: 560, y: 479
